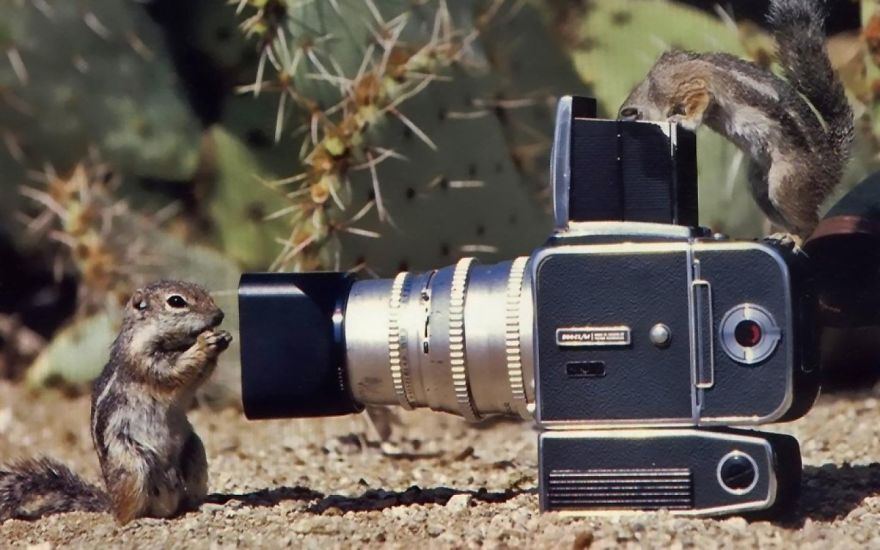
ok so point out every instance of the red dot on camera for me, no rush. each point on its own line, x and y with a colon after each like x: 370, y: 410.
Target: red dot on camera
x: 748, y: 333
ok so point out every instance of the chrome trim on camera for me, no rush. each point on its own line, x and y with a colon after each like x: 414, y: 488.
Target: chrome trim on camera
x: 770, y: 334
x: 698, y: 359
x: 366, y: 340
x: 629, y: 229
x: 731, y: 490
x: 397, y: 358
x: 594, y: 336
x: 513, y: 350
x: 789, y: 359
x: 560, y: 163
x: 457, y: 354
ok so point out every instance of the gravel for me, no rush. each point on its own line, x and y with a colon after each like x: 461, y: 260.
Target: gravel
x: 328, y: 483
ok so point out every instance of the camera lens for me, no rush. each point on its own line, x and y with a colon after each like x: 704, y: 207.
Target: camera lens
x: 456, y: 339
x: 737, y: 473
x: 747, y: 333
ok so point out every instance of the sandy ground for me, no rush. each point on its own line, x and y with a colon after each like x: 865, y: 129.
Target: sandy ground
x: 327, y: 483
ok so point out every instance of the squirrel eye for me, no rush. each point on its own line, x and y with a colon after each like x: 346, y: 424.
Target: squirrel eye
x: 629, y: 113
x: 176, y: 301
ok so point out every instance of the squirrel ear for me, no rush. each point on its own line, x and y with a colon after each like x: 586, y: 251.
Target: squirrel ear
x: 693, y: 100
x: 139, y: 300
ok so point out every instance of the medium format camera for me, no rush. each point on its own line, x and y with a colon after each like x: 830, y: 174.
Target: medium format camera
x: 634, y: 338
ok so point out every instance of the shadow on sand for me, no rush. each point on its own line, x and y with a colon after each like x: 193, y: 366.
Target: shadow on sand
x: 374, y: 499
x: 832, y: 491
x: 828, y: 493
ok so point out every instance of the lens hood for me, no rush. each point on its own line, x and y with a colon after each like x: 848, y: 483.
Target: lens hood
x: 292, y: 345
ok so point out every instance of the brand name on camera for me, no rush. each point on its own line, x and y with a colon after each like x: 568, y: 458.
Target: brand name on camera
x: 593, y: 336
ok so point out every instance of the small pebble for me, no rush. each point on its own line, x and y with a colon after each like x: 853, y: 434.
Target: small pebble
x: 459, y: 502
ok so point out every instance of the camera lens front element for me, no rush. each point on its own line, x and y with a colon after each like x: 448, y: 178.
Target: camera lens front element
x: 749, y: 334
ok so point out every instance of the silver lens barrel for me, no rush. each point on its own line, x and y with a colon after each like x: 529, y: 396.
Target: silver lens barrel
x: 458, y: 339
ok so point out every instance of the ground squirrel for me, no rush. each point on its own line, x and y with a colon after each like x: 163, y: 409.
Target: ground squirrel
x: 798, y: 132
x: 152, y: 462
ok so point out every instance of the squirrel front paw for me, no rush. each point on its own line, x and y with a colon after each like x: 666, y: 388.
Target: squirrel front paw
x: 214, y: 342
x: 788, y: 240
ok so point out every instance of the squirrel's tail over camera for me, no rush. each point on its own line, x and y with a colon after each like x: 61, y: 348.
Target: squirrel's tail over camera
x: 800, y: 36
x: 34, y: 488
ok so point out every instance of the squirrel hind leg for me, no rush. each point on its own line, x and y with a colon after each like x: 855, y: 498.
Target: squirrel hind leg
x: 794, y: 196
x: 760, y: 191
x: 788, y: 207
x: 138, y: 494
x: 194, y: 470
x: 31, y: 489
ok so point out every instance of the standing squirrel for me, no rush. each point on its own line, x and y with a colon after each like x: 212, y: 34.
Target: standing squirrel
x: 798, y: 132
x: 152, y: 462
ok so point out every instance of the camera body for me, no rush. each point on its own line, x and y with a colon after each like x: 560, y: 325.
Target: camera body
x: 641, y: 317
x: 673, y: 330
x: 633, y: 337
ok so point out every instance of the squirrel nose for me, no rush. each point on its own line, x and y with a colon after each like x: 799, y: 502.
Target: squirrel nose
x: 218, y: 317
x: 629, y: 113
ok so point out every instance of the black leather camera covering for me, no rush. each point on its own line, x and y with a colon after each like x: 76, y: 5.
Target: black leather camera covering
x: 642, y: 383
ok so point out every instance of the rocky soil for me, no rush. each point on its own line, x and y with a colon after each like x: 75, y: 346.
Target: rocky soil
x: 440, y: 483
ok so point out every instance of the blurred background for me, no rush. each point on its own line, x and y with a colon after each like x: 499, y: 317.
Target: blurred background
x: 160, y: 138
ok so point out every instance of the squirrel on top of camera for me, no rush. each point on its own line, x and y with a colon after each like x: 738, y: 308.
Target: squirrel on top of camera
x: 797, y: 131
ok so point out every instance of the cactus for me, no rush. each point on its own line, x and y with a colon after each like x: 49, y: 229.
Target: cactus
x: 76, y: 354
x: 77, y: 76
x: 391, y: 119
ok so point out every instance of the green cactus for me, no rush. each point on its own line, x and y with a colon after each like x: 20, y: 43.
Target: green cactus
x: 76, y: 354
x: 442, y: 97
x: 78, y: 76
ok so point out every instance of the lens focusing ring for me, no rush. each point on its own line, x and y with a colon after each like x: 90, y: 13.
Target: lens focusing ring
x: 397, y: 342
x: 512, y: 336
x: 457, y: 355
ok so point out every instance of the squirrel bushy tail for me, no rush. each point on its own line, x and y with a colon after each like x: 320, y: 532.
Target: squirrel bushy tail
x: 30, y: 489
x: 800, y: 37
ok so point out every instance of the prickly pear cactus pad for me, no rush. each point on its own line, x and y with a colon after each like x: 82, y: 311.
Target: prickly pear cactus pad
x: 409, y: 132
x: 77, y: 75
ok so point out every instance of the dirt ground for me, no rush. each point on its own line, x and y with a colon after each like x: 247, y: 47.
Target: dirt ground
x: 328, y: 483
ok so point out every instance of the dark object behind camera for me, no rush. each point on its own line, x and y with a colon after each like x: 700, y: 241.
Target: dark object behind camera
x: 845, y: 252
